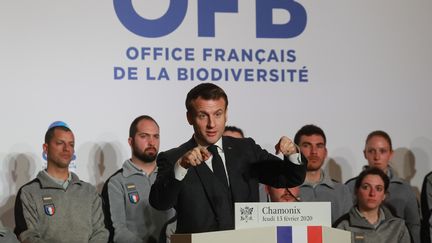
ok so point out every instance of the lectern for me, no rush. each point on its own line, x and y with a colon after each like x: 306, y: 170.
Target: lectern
x: 274, y: 234
x: 281, y: 222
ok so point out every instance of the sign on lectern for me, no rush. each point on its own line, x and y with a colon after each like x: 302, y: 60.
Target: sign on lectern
x: 252, y: 215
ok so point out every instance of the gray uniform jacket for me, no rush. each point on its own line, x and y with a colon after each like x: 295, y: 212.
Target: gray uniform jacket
x: 328, y: 190
x: 7, y: 236
x: 389, y: 230
x: 128, y: 214
x: 46, y: 212
x: 403, y: 202
x: 426, y: 208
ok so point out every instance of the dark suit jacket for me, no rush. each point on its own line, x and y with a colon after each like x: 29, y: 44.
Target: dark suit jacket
x: 200, y: 199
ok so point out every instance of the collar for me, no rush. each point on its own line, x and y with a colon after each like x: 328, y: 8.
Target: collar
x: 58, y: 181
x: 47, y: 181
x: 392, y: 175
x: 381, y: 217
x: 129, y: 169
x: 325, y: 180
x: 219, y: 145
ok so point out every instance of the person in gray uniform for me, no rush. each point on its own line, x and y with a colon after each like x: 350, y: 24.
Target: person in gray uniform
x: 401, y: 198
x: 369, y: 220
x: 7, y: 236
x: 57, y: 206
x: 128, y: 214
x: 318, y: 186
x: 426, y: 209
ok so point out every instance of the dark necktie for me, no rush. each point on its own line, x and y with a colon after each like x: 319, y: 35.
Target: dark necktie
x: 218, y: 166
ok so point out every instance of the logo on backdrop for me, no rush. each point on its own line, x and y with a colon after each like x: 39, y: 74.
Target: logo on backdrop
x: 206, y: 14
x: 257, y: 64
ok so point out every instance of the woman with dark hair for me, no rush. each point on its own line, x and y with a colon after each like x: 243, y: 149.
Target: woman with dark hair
x: 369, y: 220
x: 401, y: 199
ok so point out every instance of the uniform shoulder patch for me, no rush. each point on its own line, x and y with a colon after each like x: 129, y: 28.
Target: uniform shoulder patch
x: 48, y: 204
x: 132, y: 193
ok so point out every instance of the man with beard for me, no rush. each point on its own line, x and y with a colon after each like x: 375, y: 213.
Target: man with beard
x: 318, y: 186
x: 128, y: 214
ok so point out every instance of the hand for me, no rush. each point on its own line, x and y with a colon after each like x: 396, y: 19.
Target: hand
x: 285, y: 146
x: 194, y: 157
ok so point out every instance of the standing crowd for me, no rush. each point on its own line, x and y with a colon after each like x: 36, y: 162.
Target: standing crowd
x: 193, y: 188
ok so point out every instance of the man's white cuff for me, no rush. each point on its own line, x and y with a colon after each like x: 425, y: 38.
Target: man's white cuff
x: 179, y: 171
x: 295, y: 158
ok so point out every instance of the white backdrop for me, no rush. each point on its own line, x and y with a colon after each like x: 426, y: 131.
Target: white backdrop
x: 368, y: 67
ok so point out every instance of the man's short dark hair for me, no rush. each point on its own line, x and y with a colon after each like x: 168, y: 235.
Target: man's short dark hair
x: 206, y: 91
x: 133, y: 127
x: 50, y: 132
x: 372, y: 171
x: 309, y: 130
x: 234, y: 129
x: 380, y: 133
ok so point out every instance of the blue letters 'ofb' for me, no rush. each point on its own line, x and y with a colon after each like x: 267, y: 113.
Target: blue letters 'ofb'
x: 207, y: 9
x: 265, y: 28
x: 162, y: 26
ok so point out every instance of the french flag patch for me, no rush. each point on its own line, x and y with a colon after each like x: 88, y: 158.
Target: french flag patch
x: 134, y: 197
x: 49, y: 209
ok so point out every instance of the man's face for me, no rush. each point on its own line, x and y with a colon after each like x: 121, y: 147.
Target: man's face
x: 378, y: 153
x: 314, y: 148
x: 284, y: 194
x: 145, y: 143
x: 208, y: 118
x: 60, y: 149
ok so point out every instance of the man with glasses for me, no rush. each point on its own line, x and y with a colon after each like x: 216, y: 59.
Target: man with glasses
x: 318, y: 186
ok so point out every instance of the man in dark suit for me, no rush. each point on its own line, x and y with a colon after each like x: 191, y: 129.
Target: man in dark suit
x: 204, y: 177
